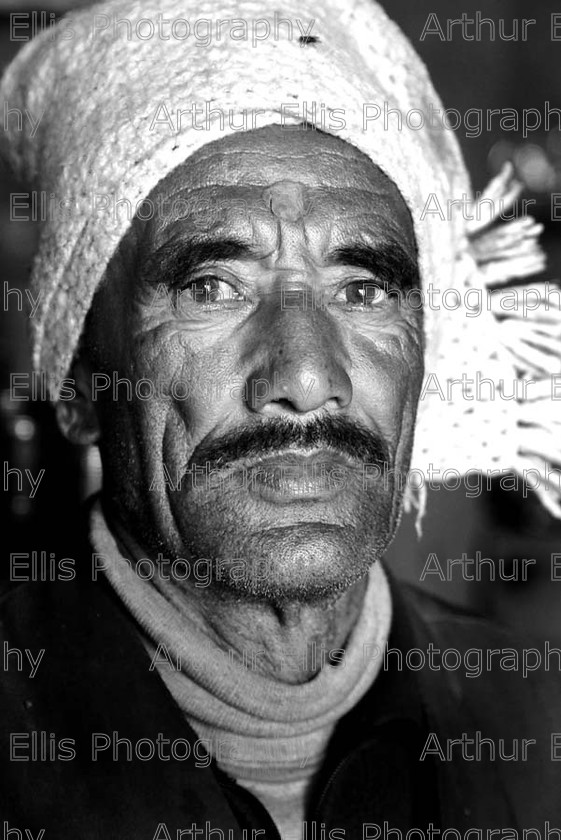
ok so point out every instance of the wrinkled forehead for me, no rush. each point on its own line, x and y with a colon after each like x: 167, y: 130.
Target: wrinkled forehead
x: 293, y: 172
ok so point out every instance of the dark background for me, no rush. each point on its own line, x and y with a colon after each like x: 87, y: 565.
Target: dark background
x: 503, y: 526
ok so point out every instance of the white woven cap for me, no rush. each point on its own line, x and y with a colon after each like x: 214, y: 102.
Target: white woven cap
x: 105, y: 91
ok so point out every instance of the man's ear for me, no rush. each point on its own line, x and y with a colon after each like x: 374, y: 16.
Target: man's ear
x: 77, y: 418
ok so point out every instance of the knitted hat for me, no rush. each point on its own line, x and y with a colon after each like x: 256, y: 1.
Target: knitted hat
x: 114, y: 87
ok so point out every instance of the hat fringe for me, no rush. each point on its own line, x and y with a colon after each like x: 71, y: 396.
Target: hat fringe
x: 529, y: 333
x: 535, y: 348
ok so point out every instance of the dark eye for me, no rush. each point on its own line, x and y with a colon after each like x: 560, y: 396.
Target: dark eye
x: 364, y: 293
x: 209, y: 288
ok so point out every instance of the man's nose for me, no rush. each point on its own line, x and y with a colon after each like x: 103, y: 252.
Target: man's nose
x: 298, y: 360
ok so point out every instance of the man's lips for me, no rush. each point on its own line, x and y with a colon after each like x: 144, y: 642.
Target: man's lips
x: 290, y: 475
x: 287, y: 461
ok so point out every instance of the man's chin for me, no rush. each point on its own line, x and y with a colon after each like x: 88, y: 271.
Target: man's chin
x: 302, y: 563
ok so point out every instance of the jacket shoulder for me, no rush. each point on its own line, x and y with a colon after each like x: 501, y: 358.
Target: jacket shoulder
x: 453, y: 620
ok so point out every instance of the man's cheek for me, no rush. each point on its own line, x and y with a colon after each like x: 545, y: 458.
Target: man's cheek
x: 158, y: 365
x: 403, y: 337
x: 405, y: 346
x: 391, y: 402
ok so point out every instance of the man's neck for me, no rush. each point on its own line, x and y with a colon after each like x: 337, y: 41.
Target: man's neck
x: 289, y: 643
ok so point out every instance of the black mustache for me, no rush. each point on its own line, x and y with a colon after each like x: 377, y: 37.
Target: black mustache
x: 346, y: 437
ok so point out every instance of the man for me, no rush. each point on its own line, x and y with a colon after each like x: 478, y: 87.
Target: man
x: 247, y: 350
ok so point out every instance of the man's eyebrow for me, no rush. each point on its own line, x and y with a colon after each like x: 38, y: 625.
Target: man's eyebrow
x: 174, y: 261
x: 389, y: 261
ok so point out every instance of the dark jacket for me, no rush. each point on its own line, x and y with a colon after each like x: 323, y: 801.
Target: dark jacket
x: 94, y: 678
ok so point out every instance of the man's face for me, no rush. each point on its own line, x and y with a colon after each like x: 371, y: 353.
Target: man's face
x: 283, y: 365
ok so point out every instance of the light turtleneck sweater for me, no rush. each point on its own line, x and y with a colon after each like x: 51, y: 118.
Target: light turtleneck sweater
x: 268, y: 735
